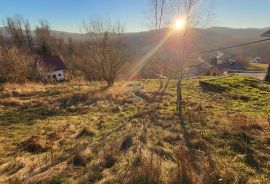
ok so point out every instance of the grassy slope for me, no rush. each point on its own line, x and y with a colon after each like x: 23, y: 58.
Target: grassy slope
x: 131, y: 133
x: 257, y: 67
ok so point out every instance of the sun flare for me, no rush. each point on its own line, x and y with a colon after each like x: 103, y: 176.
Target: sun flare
x: 179, y: 24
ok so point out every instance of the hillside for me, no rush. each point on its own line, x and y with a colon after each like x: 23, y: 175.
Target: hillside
x: 78, y: 132
x: 210, y: 38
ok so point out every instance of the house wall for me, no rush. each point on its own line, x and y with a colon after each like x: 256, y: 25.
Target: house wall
x: 214, y: 71
x: 58, y: 75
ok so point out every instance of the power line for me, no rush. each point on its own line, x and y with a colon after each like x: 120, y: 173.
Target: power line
x: 239, y: 45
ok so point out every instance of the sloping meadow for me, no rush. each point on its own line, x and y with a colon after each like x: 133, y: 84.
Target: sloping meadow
x: 83, y: 133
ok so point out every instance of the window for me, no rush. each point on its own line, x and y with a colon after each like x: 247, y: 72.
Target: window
x: 59, y: 75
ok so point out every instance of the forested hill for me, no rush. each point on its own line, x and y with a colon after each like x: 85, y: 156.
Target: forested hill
x: 209, y: 38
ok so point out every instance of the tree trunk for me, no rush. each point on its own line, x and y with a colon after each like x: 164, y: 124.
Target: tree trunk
x: 179, y: 100
x: 267, y: 77
x: 110, y: 83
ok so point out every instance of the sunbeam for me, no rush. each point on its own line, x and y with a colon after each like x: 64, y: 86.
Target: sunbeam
x: 141, y: 63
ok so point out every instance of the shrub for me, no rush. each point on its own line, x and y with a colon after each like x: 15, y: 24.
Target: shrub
x: 17, y: 66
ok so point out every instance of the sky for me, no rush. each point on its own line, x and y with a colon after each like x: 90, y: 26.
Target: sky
x: 68, y: 15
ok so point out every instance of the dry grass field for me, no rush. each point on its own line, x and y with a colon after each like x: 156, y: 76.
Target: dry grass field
x: 79, y: 132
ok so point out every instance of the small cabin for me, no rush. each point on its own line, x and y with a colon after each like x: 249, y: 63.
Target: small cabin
x: 216, y: 71
x: 52, y: 68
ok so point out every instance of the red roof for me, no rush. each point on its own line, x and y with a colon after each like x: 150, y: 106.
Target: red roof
x: 217, y: 69
x: 53, y: 62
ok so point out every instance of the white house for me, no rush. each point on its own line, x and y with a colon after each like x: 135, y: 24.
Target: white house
x: 220, y: 58
x: 52, y: 67
x: 257, y: 60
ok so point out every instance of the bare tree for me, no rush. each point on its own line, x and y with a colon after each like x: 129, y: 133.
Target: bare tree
x: 28, y: 35
x: 14, y: 27
x: 156, y: 17
x: 17, y: 61
x: 105, y: 47
x: 155, y: 13
x: 194, y: 13
x: 45, y: 41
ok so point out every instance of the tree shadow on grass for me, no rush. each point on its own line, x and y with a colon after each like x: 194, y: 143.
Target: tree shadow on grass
x: 66, y: 105
x: 28, y: 114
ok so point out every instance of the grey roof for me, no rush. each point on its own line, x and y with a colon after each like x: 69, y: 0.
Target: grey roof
x: 199, y: 69
x: 232, y: 65
x: 266, y: 34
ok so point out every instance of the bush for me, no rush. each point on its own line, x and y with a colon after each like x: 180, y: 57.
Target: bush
x: 17, y: 66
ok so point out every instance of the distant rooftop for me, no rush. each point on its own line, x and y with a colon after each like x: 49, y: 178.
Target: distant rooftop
x: 53, y: 62
x: 266, y: 34
x: 236, y: 65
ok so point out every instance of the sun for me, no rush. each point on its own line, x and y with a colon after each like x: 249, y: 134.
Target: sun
x: 179, y: 24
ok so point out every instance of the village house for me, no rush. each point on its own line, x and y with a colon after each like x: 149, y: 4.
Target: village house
x: 216, y: 71
x: 220, y: 58
x: 232, y: 66
x: 257, y: 60
x: 197, y: 69
x: 52, y: 68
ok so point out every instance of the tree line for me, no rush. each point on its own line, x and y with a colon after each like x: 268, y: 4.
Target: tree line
x: 98, y: 57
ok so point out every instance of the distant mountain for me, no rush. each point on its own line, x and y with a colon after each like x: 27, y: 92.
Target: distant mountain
x: 59, y: 34
x: 217, y: 37
x: 210, y: 38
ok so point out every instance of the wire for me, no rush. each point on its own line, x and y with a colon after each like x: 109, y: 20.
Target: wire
x: 239, y: 45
